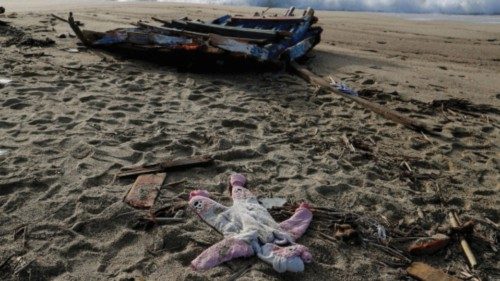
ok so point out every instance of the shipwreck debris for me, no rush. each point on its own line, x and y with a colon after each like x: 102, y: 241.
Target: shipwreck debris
x: 455, y: 223
x: 227, y: 40
x: 429, y: 245
x: 144, y: 191
x: 379, y: 109
x: 424, y: 272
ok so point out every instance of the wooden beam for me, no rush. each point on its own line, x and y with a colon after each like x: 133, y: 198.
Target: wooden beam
x: 424, y: 272
x: 230, y: 31
x: 377, y: 108
x: 192, y: 34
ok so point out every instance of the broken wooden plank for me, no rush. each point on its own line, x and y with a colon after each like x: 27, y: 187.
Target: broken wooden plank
x: 429, y: 245
x: 425, y: 272
x: 235, y: 46
x: 236, y: 19
x: 145, y: 190
x: 289, y: 12
x: 166, y: 166
x: 300, y: 49
x: 59, y: 18
x: 231, y: 31
x: 77, y: 31
x: 192, y: 34
x: 379, y: 109
x: 455, y: 223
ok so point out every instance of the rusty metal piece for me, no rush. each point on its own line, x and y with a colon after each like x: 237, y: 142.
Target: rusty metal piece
x: 425, y: 272
x: 429, y: 245
x: 145, y: 190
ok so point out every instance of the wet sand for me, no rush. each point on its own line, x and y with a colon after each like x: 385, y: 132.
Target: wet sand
x: 70, y: 121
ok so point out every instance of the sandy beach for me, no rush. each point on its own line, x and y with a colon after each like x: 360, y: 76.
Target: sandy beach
x: 69, y: 121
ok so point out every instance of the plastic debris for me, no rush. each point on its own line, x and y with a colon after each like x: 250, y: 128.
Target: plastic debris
x: 5, y: 81
x: 271, y: 202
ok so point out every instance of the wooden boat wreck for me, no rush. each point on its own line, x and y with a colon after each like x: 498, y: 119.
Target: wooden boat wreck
x: 226, y: 41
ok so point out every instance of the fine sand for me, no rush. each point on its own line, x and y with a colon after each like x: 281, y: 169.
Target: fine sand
x: 69, y: 121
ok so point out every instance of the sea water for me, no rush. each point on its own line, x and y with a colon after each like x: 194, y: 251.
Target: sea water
x: 473, y: 11
x: 458, y: 7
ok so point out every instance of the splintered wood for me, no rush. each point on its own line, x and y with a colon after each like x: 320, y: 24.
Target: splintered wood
x: 145, y: 190
x: 424, y: 272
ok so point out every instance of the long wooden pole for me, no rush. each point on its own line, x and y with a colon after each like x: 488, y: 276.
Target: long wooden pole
x: 380, y: 110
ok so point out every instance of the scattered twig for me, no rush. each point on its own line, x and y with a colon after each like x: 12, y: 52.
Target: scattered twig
x: 240, y: 272
x: 168, y: 220
x: 389, y: 250
x: 407, y: 166
x: 23, y: 267
x: 176, y: 183
x: 455, y: 222
x: 348, y: 143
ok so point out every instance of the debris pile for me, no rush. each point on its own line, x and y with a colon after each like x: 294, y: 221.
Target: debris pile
x: 228, y: 39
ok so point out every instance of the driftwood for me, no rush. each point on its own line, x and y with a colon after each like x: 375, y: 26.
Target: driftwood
x: 424, y: 272
x: 455, y: 223
x: 379, y: 109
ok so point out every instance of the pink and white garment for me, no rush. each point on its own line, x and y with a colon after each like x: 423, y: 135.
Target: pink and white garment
x: 249, y: 229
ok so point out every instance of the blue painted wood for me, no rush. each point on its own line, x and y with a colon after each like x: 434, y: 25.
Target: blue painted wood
x: 300, y: 36
x: 235, y: 46
x: 140, y: 37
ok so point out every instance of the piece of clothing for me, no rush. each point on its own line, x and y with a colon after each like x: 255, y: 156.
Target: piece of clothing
x: 249, y: 229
